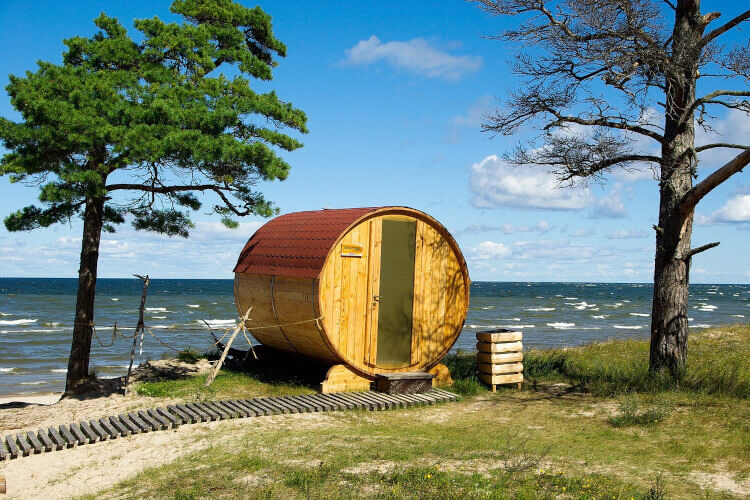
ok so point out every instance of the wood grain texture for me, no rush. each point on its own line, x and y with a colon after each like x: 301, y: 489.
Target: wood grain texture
x: 344, y: 294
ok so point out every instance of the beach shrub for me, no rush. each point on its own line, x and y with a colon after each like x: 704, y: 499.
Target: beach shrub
x: 467, y: 386
x: 632, y: 413
x: 189, y: 356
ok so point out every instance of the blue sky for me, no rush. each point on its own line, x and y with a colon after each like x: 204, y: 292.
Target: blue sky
x: 395, y: 93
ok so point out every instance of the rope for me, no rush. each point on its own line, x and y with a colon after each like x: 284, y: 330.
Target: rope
x: 230, y: 329
x: 116, y: 332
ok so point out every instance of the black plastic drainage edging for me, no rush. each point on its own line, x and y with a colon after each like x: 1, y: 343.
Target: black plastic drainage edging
x: 171, y: 416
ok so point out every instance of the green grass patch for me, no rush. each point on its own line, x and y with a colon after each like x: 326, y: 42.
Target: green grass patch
x: 631, y: 412
x: 228, y: 384
x: 229, y: 477
x: 190, y: 356
x: 718, y: 363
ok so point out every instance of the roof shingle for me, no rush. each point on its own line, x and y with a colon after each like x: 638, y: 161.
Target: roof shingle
x: 296, y: 244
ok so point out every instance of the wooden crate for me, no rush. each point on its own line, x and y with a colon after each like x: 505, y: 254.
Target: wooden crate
x: 499, y: 356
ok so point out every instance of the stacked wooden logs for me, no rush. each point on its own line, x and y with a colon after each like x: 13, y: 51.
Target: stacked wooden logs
x: 499, y: 357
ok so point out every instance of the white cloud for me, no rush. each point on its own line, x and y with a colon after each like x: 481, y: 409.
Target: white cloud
x: 609, y: 207
x: 494, y: 183
x: 625, y: 234
x: 417, y: 56
x: 734, y: 128
x: 210, y: 252
x: 489, y: 250
x: 476, y: 113
x: 735, y: 210
x: 581, y: 233
x: 540, y: 227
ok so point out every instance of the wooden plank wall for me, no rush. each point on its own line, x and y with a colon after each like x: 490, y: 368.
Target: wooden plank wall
x: 294, y: 301
x: 350, y: 315
x: 346, y: 296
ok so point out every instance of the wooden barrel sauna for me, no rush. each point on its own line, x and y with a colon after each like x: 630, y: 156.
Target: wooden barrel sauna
x: 377, y: 290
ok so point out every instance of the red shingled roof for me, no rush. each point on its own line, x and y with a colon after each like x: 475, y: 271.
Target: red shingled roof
x: 296, y: 244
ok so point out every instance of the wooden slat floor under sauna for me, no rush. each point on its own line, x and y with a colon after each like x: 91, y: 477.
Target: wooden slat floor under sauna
x: 170, y: 416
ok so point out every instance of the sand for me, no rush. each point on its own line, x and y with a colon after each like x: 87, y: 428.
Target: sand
x: 91, y: 468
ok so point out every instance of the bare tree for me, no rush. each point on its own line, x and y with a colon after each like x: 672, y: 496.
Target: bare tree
x: 623, y: 76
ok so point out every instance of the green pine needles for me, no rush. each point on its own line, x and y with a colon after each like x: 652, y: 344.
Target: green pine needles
x: 136, y: 130
x: 146, y: 125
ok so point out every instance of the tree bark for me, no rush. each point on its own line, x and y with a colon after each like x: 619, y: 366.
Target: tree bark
x: 80, y: 350
x: 669, y: 322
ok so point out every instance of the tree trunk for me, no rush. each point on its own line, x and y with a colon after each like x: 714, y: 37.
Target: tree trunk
x: 669, y: 322
x: 80, y: 349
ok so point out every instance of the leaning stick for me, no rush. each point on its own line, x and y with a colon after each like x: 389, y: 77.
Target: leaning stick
x: 215, y: 371
x: 139, y: 327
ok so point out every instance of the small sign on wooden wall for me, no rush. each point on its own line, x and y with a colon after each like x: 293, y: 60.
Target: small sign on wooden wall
x: 351, y: 250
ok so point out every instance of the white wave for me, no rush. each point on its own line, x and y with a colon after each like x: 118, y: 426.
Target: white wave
x: 156, y: 309
x: 600, y: 316
x: 570, y: 298
x: 5, y: 314
x: 580, y: 305
x: 10, y: 322
x: 561, y: 326
x: 6, y: 370
x: 738, y: 315
x: 625, y: 300
x: 707, y: 308
x: 615, y: 305
x: 704, y: 325
x: 640, y: 314
x: 159, y: 317
x: 713, y: 293
x: 115, y: 299
x: 163, y: 327
x: 193, y: 305
x: 540, y: 309
x: 219, y: 323
x: 629, y: 327
x: 35, y: 330
x: 476, y: 327
x: 59, y: 370
x: 53, y: 323
x: 690, y: 319
x: 39, y: 382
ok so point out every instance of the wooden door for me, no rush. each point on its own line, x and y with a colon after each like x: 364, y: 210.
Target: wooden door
x: 395, y: 296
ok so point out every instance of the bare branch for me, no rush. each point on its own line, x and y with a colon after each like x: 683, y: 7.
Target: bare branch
x: 711, y: 99
x: 694, y: 195
x: 726, y: 27
x: 700, y: 249
x: 720, y: 145
x: 605, y: 122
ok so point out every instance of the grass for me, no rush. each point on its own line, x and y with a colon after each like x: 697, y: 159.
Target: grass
x: 718, y: 364
x: 189, y: 356
x: 625, y: 436
x: 227, y: 385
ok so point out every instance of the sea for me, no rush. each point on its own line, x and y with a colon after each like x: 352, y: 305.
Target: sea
x: 36, y: 319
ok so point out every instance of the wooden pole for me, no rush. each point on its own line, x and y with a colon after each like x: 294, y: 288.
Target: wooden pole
x: 138, y: 328
x: 215, y: 371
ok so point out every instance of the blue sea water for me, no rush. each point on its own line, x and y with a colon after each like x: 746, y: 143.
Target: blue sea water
x: 36, y: 318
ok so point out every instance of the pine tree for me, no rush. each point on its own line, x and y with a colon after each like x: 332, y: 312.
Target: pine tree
x: 136, y: 130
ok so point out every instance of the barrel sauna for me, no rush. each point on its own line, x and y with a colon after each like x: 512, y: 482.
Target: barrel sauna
x: 368, y: 290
